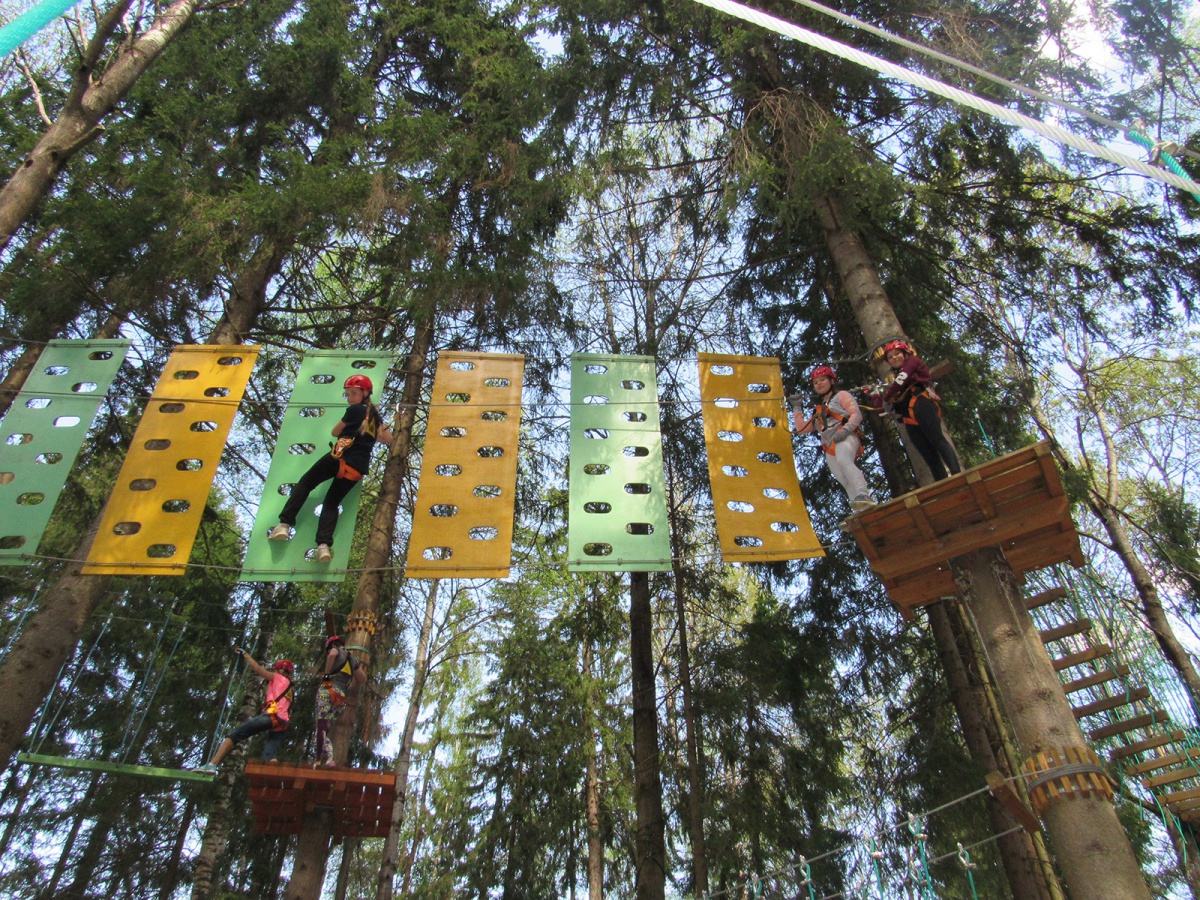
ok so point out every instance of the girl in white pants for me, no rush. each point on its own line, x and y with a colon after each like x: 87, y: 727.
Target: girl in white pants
x: 836, y: 421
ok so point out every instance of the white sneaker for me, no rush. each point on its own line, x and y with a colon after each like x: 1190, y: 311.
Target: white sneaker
x: 280, y: 532
x: 323, y: 554
x: 861, y: 504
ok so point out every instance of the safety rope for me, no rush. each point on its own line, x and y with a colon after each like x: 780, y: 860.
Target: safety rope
x: 941, y: 89
x: 29, y: 23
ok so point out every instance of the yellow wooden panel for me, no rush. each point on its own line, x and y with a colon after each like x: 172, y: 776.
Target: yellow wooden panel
x: 756, y: 495
x: 152, y: 517
x: 463, y: 517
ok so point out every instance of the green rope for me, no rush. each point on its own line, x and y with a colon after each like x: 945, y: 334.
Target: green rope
x: 987, y: 438
x: 876, y: 855
x: 965, y: 858
x: 806, y: 871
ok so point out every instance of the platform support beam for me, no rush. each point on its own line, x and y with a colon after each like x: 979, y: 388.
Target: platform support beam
x: 1092, y: 847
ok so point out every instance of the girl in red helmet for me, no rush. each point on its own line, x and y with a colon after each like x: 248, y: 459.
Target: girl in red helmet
x: 914, y: 401
x: 274, y: 715
x: 836, y: 421
x: 360, y: 427
x: 338, y: 671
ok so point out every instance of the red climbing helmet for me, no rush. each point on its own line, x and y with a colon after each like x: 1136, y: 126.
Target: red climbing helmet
x: 333, y: 638
x: 359, y: 381
x: 897, y: 345
x: 824, y: 372
x: 285, y: 666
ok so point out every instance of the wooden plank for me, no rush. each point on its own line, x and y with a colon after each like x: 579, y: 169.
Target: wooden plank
x: 1151, y: 743
x: 921, y: 589
x: 1036, y: 551
x: 1172, y: 777
x: 1075, y: 659
x: 1039, y: 600
x: 1179, y: 796
x: 1045, y: 460
x: 991, y: 533
x: 1061, y: 631
x: 980, y: 492
x: 919, y: 518
x: 1118, y: 671
x: 1003, y: 791
x: 1161, y: 762
x: 856, y: 530
x: 1107, y: 703
x: 1126, y: 725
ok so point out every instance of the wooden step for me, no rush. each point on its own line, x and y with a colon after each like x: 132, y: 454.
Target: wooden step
x: 1118, y: 671
x: 1180, y: 796
x: 1161, y: 762
x: 1159, y: 740
x: 1107, y: 703
x: 1175, y: 775
x: 1127, y: 725
x: 1045, y: 597
x: 1062, y: 631
x: 1075, y: 659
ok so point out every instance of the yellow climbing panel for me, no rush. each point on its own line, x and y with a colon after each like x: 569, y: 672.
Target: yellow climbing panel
x: 756, y: 495
x: 153, y: 515
x: 463, y: 518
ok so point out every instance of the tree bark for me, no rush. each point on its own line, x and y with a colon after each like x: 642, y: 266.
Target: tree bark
x: 1092, y: 848
x: 1018, y: 856
x: 314, y: 837
x: 651, y: 843
x: 391, y: 846
x: 595, y: 840
x: 1045, y: 717
x: 91, y: 98
x: 30, y: 670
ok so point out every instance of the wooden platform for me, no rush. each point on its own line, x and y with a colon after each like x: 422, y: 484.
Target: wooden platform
x: 281, y: 796
x: 1015, y: 502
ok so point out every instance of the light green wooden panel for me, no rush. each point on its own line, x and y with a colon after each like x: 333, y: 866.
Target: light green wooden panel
x: 315, y: 406
x: 42, y: 434
x: 618, y: 497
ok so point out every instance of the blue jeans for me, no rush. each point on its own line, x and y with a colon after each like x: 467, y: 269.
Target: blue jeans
x: 257, y: 725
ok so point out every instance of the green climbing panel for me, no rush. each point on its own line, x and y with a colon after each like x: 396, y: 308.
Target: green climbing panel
x: 316, y: 405
x: 618, y: 497
x: 99, y: 765
x: 42, y: 434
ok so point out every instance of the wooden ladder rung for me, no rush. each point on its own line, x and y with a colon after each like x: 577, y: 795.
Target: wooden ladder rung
x: 1159, y: 740
x: 1061, y: 631
x: 1161, y: 762
x: 1118, y: 671
x: 1126, y: 725
x: 1111, y: 702
x: 1075, y: 659
x: 1045, y: 597
x: 1172, y: 777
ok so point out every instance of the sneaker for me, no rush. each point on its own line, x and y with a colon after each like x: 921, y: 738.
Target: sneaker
x: 209, y: 769
x: 280, y: 532
x: 272, y: 762
x: 862, y: 502
x: 323, y: 554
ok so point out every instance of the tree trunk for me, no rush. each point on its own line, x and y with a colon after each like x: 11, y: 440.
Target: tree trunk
x: 1092, y: 847
x: 595, y: 840
x: 91, y: 99
x: 349, y: 848
x: 172, y: 875
x: 83, y: 809
x: 30, y: 670
x: 1017, y: 854
x: 1044, y: 716
x: 314, y: 837
x: 651, y: 842
x: 391, y: 846
x: 220, y: 814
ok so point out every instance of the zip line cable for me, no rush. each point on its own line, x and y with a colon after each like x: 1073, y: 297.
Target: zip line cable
x: 973, y: 69
x: 941, y: 89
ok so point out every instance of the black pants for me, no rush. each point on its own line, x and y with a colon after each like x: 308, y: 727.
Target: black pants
x: 323, y: 469
x: 929, y: 439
